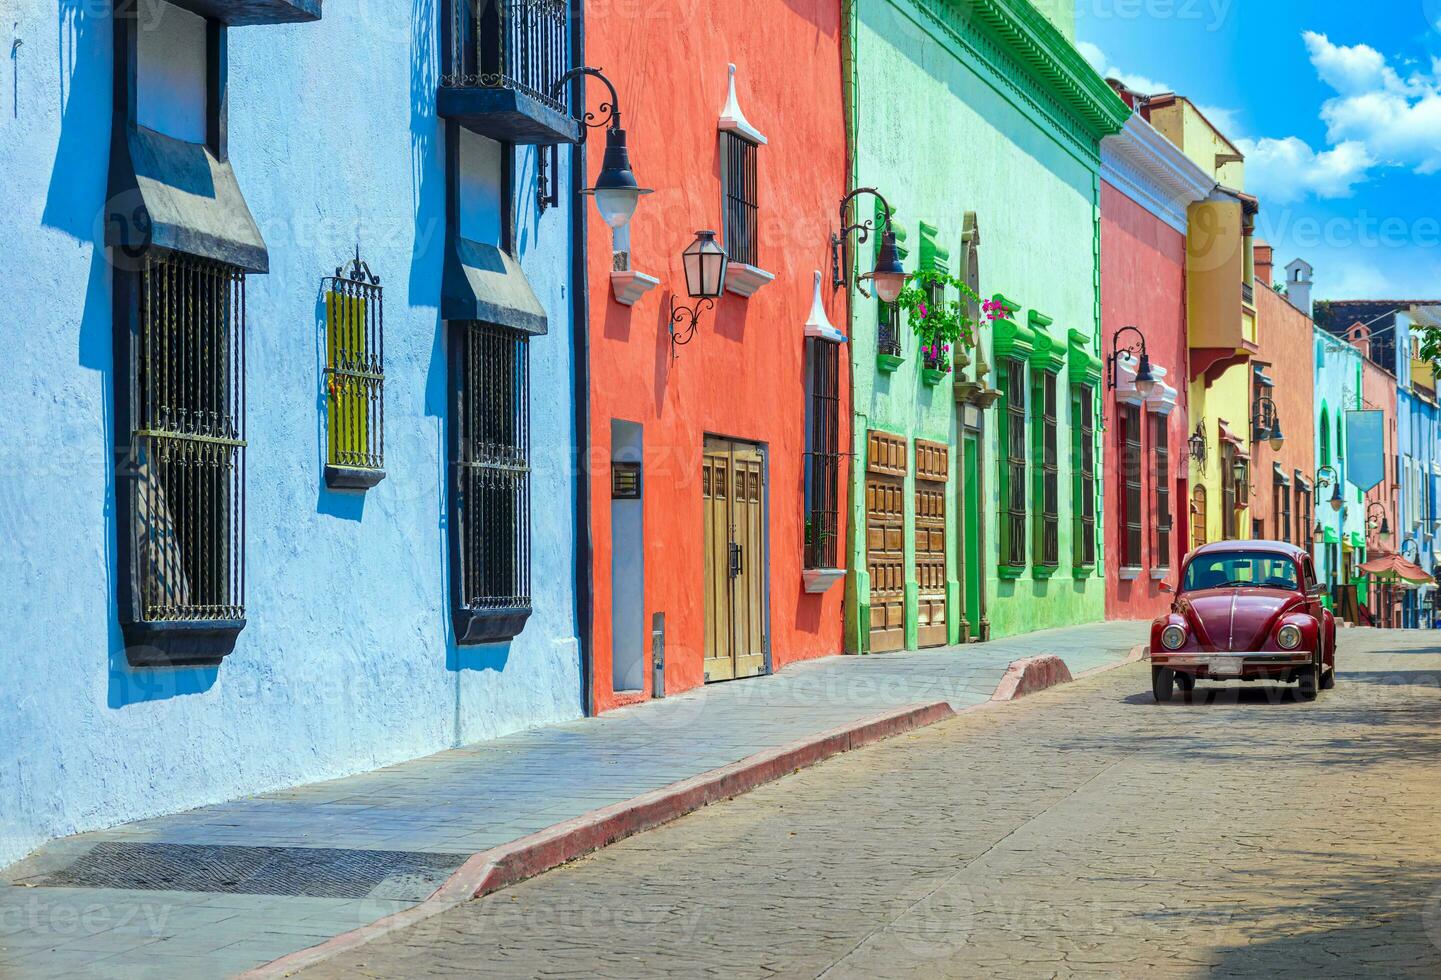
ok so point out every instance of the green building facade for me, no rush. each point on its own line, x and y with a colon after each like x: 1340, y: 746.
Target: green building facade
x: 976, y: 495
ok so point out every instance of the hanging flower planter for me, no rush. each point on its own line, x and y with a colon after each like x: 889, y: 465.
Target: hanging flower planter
x: 944, y: 327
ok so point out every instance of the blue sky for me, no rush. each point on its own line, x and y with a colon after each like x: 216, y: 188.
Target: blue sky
x: 1337, y: 106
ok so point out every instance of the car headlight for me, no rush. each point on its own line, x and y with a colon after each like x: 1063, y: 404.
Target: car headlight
x: 1173, y: 637
x: 1289, y: 637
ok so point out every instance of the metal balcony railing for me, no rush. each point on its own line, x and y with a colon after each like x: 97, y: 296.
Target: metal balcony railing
x: 520, y: 45
x: 1248, y: 293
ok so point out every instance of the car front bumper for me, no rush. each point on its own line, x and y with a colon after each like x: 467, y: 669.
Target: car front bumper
x: 1233, y: 663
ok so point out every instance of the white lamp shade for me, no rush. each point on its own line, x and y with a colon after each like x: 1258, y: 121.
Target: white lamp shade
x: 617, y: 204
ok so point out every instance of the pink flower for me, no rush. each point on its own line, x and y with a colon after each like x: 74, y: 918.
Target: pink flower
x: 924, y: 312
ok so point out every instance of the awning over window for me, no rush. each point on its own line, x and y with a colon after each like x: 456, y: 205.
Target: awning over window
x: 169, y: 193
x: 483, y: 282
x: 1228, y: 436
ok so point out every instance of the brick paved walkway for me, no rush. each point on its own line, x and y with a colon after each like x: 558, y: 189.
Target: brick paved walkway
x: 464, y: 801
x: 1083, y: 831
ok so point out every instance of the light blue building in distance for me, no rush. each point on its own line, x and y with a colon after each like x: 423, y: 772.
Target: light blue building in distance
x: 1340, y: 514
x: 288, y: 420
x: 1419, y: 443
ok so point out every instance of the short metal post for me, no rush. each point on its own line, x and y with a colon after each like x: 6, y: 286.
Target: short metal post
x: 657, y: 655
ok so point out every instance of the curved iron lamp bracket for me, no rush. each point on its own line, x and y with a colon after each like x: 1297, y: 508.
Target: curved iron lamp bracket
x: 682, y: 314
x: 611, y: 109
x: 1323, y: 481
x: 1135, y: 350
x: 861, y: 229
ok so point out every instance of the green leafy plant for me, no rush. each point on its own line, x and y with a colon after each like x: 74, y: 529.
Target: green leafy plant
x: 941, y: 326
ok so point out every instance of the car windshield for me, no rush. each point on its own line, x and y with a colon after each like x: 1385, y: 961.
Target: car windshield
x: 1256, y: 569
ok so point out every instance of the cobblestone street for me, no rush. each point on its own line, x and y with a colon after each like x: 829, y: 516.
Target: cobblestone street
x: 1085, y: 830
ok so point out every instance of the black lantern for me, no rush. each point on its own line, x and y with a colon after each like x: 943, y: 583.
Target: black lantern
x: 1145, y: 379
x: 889, y: 275
x: 1382, y: 527
x: 1327, y: 476
x: 1266, y: 422
x: 705, y: 265
x: 1318, y: 534
x: 616, y: 191
x: 1197, y: 444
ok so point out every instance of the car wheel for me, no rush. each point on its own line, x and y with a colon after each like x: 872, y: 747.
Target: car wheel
x: 1308, y: 680
x: 1163, y: 684
x: 1187, y: 684
x: 1328, y: 679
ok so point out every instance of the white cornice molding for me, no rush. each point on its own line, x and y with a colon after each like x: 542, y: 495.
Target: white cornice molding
x: 1153, y: 172
x: 733, y: 120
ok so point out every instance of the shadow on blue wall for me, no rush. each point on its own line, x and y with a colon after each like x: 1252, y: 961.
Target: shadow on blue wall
x: 427, y: 179
x: 492, y: 656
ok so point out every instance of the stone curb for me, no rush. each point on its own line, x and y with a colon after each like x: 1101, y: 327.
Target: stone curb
x: 1031, y: 674
x: 492, y: 870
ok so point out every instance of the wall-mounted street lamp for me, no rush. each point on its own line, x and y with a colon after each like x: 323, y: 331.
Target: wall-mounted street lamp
x: 705, y: 266
x: 616, y: 191
x: 1266, y: 424
x: 1197, y: 444
x: 1145, y: 380
x: 1333, y: 481
x: 1318, y: 534
x: 1383, y: 526
x: 889, y: 275
x: 1415, y: 549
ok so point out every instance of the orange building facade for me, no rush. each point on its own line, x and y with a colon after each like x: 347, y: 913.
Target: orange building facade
x: 1283, y: 490
x: 716, y: 471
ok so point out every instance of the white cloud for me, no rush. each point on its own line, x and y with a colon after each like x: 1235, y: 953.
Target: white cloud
x: 1282, y: 171
x: 1397, y: 119
x: 1098, y: 60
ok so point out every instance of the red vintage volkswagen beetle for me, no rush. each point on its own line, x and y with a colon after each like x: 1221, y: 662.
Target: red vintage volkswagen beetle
x: 1245, y: 610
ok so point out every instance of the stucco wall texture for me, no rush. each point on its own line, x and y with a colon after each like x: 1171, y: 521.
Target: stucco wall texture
x: 346, y: 663
x: 742, y: 375
x: 1283, y: 331
x: 1143, y: 284
x: 938, y: 140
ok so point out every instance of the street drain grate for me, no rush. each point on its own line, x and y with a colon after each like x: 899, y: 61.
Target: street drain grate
x: 313, y: 872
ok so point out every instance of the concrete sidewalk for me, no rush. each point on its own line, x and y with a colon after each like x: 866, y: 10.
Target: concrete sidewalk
x: 259, y: 878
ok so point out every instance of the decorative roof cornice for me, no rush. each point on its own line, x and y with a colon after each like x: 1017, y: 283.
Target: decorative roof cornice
x: 1030, y: 63
x: 1153, y: 172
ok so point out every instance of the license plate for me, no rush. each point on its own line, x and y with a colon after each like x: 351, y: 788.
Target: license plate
x: 1224, y: 667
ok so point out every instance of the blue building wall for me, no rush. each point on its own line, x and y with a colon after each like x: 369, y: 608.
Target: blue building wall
x: 346, y: 662
x: 1338, y: 390
x: 1418, y: 434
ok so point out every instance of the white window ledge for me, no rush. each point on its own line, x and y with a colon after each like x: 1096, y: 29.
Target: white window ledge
x: 745, y: 280
x: 1157, y: 574
x: 821, y: 579
x: 1128, y: 573
x: 630, y: 286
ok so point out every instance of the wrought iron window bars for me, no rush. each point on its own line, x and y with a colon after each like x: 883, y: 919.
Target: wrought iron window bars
x: 183, y: 478
x: 354, y: 377
x: 491, y: 524
x: 823, y: 456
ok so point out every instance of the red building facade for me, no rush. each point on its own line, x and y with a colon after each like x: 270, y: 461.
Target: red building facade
x: 716, y: 474
x: 1147, y: 186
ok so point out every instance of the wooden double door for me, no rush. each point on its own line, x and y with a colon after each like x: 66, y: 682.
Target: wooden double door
x: 734, y: 504
x: 887, y: 463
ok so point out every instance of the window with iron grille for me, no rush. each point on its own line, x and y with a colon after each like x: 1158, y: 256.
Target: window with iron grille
x: 186, y: 511
x: 1161, y: 492
x: 354, y: 377
x: 1083, y: 477
x: 1230, y: 494
x: 823, y: 455
x: 1198, y: 516
x: 1283, y: 524
x: 1013, y: 491
x: 1047, y: 491
x: 1132, y: 519
x: 739, y: 186
x: 492, y: 503
x: 1301, y: 530
x: 508, y: 44
x: 888, y: 330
